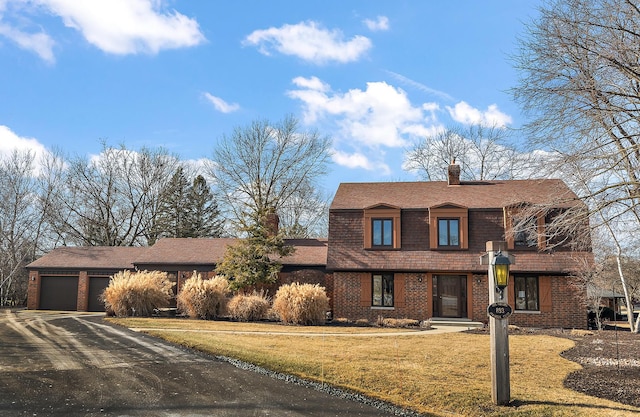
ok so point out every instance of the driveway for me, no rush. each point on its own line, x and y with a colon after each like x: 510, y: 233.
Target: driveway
x: 74, y: 364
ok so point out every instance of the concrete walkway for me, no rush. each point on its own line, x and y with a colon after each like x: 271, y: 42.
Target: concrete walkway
x: 432, y: 331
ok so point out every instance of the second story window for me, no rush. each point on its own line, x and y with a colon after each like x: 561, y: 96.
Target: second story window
x: 448, y: 232
x: 525, y: 231
x: 382, y: 227
x: 382, y: 232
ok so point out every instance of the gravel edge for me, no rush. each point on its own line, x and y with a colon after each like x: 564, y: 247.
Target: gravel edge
x: 317, y: 386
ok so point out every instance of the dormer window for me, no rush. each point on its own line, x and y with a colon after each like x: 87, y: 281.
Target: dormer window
x: 448, y: 232
x: 382, y: 227
x: 524, y: 227
x: 448, y: 227
x: 382, y: 232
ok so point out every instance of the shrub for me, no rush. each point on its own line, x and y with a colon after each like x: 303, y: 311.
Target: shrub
x: 249, y: 307
x: 391, y: 322
x: 301, y: 304
x: 137, y: 293
x: 203, y: 298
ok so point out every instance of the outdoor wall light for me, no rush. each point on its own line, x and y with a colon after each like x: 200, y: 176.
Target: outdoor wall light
x: 500, y: 267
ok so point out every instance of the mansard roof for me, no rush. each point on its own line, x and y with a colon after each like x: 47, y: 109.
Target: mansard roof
x: 471, y: 194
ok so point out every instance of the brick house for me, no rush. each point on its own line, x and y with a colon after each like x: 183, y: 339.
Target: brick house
x: 72, y: 278
x: 402, y: 250
x: 412, y: 250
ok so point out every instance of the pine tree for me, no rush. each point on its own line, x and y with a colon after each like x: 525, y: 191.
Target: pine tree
x: 254, y: 260
x: 204, y: 216
x: 173, y: 219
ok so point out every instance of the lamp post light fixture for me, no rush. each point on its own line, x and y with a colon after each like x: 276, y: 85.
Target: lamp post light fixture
x: 500, y: 265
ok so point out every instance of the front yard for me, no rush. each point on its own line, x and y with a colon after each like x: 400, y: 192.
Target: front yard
x: 435, y: 374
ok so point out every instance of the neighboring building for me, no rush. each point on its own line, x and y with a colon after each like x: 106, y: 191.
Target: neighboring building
x: 72, y: 278
x: 412, y: 250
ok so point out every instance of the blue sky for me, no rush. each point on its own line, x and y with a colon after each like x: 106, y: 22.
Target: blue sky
x: 373, y: 75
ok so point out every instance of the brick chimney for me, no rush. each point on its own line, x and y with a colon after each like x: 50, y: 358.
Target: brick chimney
x: 453, y: 173
x: 273, y: 223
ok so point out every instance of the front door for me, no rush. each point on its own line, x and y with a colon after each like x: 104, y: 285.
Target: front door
x: 450, y: 296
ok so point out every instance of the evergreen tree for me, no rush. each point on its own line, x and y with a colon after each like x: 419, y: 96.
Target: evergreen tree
x: 173, y: 219
x: 254, y: 260
x: 204, y: 214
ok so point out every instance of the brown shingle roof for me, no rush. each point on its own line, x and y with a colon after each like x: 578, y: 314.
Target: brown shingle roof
x: 454, y: 261
x: 471, y: 194
x: 185, y: 251
x: 89, y: 257
x: 169, y: 251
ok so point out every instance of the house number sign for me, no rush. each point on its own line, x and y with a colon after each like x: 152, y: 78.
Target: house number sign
x: 499, y: 310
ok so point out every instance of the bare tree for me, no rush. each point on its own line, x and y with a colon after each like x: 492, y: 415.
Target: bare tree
x: 21, y: 222
x: 580, y: 83
x: 482, y: 153
x: 111, y: 200
x: 265, y: 167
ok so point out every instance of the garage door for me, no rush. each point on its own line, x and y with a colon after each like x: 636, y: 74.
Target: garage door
x: 96, y: 286
x: 59, y: 293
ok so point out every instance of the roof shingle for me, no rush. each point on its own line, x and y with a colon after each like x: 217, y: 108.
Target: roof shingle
x: 470, y: 194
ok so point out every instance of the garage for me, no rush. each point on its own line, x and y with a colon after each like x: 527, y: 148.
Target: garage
x: 59, y: 293
x: 96, y: 287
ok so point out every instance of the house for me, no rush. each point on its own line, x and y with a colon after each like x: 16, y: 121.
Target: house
x: 72, y: 278
x: 412, y: 250
x: 400, y: 250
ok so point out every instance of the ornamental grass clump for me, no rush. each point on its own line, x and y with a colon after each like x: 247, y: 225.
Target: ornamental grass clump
x: 204, y: 298
x: 249, y: 307
x: 137, y: 293
x: 304, y: 304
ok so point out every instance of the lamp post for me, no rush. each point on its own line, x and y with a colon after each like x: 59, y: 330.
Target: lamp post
x: 499, y: 310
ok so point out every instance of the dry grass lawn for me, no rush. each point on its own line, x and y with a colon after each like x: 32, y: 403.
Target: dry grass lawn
x: 436, y: 374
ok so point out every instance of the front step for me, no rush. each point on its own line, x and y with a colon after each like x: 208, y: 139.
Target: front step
x: 439, y: 321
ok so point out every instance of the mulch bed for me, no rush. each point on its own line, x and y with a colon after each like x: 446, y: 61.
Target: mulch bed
x: 610, y: 362
x: 610, y: 365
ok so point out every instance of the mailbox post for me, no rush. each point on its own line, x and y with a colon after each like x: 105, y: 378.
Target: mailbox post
x: 498, y: 261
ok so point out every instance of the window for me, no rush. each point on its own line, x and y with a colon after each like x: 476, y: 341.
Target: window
x: 448, y: 232
x: 382, y: 227
x: 448, y: 227
x: 524, y: 228
x: 526, y: 293
x: 382, y: 232
x: 525, y: 231
x: 382, y: 290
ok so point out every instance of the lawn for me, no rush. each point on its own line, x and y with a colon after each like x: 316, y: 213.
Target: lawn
x: 436, y: 374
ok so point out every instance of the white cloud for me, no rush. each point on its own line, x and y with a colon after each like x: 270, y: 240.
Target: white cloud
x: 381, y: 115
x: 313, y: 83
x: 358, y: 160
x: 115, y: 26
x: 220, y: 104
x: 381, y: 23
x: 462, y: 112
x: 310, y: 42
x: 40, y: 43
x: 10, y: 141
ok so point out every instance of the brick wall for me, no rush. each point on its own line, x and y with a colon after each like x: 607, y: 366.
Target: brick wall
x: 33, y: 290
x: 83, y: 291
x: 348, y: 287
x: 568, y: 306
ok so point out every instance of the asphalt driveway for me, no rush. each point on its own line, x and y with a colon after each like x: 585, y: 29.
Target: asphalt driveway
x: 74, y: 364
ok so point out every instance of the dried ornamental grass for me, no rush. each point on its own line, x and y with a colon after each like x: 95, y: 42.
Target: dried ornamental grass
x: 203, y: 298
x: 305, y: 304
x: 249, y: 307
x: 137, y: 293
